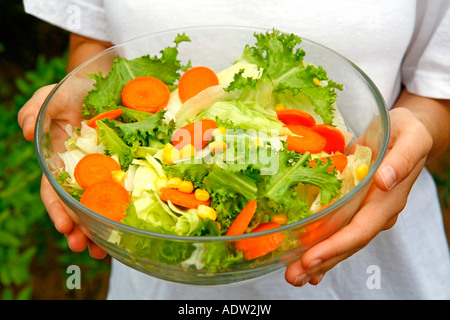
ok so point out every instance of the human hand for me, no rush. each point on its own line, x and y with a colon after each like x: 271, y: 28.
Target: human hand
x: 57, y: 210
x: 379, y: 211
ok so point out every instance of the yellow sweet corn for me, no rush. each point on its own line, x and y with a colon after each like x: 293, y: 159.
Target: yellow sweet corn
x: 119, y: 176
x: 361, y: 171
x: 316, y: 81
x: 173, y: 182
x: 187, y: 151
x: 279, y: 106
x: 219, y: 130
x: 201, y: 195
x: 206, y: 212
x: 280, y: 218
x: 258, y: 142
x: 161, y: 182
x: 170, y: 154
x: 186, y: 186
x: 217, y: 146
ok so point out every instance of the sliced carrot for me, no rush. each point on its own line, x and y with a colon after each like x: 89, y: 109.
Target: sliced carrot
x: 197, y: 133
x: 243, y: 219
x: 182, y: 199
x: 305, y: 140
x: 319, y: 230
x: 110, y: 114
x: 338, y: 160
x: 94, y: 167
x: 107, y: 198
x: 195, y: 80
x: 147, y: 94
x: 335, y: 140
x: 260, y: 246
x: 293, y: 116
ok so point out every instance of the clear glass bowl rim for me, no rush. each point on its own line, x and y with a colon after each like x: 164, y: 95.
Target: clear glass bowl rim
x: 384, y: 116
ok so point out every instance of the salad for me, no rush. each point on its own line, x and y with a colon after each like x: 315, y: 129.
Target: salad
x: 180, y: 149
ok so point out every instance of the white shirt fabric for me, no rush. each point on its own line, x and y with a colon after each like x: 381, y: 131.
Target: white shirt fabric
x: 400, y: 42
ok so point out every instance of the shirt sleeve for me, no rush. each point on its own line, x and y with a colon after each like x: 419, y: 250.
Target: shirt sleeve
x: 426, y: 67
x: 83, y: 17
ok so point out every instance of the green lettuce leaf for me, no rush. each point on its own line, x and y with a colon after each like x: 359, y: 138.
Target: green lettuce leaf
x: 143, y: 132
x: 279, y: 187
x: 108, y: 89
x: 114, y: 145
x: 281, y: 60
x: 243, y: 115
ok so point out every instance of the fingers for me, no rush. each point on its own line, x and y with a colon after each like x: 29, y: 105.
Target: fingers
x: 378, y: 212
x: 410, y: 142
x: 28, y: 113
x: 58, y: 213
x: 55, y: 208
x: 95, y: 251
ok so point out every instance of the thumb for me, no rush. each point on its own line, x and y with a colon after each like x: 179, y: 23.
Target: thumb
x: 410, y: 143
x: 28, y: 113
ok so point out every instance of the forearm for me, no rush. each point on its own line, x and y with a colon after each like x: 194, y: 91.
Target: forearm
x: 434, y: 115
x: 82, y: 48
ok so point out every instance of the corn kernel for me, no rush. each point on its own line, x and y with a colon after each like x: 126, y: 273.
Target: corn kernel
x: 171, y: 155
x: 279, y: 106
x: 206, y: 212
x: 168, y: 146
x: 201, y: 195
x: 219, y: 130
x: 187, y: 151
x: 186, y: 186
x: 161, y: 182
x: 361, y: 171
x: 119, y: 176
x: 217, y: 146
x: 258, y: 142
x: 280, y: 218
x: 173, y: 182
x: 316, y: 81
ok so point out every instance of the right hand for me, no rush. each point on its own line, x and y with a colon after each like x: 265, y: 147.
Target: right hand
x: 56, y: 209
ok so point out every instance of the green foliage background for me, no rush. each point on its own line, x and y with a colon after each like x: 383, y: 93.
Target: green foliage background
x: 31, y: 250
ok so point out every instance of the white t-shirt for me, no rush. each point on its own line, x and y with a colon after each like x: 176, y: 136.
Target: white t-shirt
x: 395, y: 42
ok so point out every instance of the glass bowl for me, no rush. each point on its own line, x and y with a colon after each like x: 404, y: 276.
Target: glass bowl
x: 163, y: 255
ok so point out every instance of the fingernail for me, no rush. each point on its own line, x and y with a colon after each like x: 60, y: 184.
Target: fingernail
x: 388, y: 176
x: 28, y: 121
x: 301, y: 280
x: 316, y: 280
x: 314, y: 263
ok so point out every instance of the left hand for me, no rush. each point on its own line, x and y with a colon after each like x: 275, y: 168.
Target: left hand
x: 385, y: 200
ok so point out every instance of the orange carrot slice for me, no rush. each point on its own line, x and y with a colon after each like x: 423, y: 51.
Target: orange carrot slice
x: 335, y: 140
x: 293, y: 116
x: 197, y: 133
x: 305, y: 140
x: 260, y: 246
x: 243, y: 219
x: 110, y: 114
x: 182, y: 199
x: 94, y: 167
x: 195, y: 80
x: 107, y: 198
x: 147, y: 94
x: 338, y: 160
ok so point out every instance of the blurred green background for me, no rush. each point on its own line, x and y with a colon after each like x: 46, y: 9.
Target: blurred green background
x: 34, y: 257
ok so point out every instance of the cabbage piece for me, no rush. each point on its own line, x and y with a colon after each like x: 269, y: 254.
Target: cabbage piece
x: 362, y: 155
